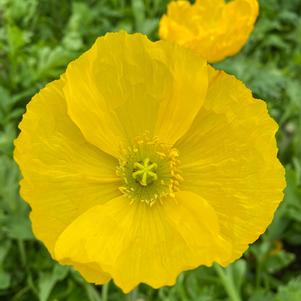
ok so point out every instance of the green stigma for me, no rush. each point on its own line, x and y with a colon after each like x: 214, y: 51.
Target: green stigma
x: 145, y: 172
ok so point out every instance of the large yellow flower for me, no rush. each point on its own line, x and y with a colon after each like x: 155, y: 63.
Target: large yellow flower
x: 142, y: 162
x: 212, y: 28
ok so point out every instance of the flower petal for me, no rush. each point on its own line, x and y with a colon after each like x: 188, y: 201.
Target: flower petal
x: 212, y: 28
x: 126, y: 85
x: 63, y: 174
x: 92, y: 273
x: 229, y: 157
x: 152, y: 244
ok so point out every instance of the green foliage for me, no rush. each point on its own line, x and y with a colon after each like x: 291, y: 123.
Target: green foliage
x: 38, y: 39
x: 291, y: 292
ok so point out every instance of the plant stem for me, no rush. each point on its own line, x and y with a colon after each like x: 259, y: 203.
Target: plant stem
x: 104, y: 292
x: 22, y: 252
x: 92, y: 292
x: 227, y: 283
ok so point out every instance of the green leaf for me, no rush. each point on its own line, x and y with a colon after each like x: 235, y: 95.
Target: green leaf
x: 5, y: 280
x: 290, y: 292
x: 48, y: 280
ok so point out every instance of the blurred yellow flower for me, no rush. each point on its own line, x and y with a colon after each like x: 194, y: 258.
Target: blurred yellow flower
x: 142, y: 162
x: 212, y: 28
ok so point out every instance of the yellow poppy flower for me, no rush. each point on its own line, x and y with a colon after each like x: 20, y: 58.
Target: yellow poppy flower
x: 140, y: 162
x: 212, y: 28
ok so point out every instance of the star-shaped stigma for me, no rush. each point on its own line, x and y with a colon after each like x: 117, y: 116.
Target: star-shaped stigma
x: 145, y: 172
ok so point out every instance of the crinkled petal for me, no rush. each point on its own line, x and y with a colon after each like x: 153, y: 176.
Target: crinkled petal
x: 63, y: 175
x: 212, y: 28
x: 137, y: 243
x: 92, y: 273
x: 229, y: 157
x: 126, y: 85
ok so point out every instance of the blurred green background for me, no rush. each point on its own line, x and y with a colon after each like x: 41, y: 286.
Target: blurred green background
x: 37, y: 40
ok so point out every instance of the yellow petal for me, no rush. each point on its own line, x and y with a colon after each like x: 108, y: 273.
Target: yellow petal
x: 137, y: 243
x: 63, y: 174
x: 212, y: 28
x: 92, y: 273
x: 126, y: 85
x: 229, y: 157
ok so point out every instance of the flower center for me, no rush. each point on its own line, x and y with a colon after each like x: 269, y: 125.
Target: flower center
x: 149, y: 171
